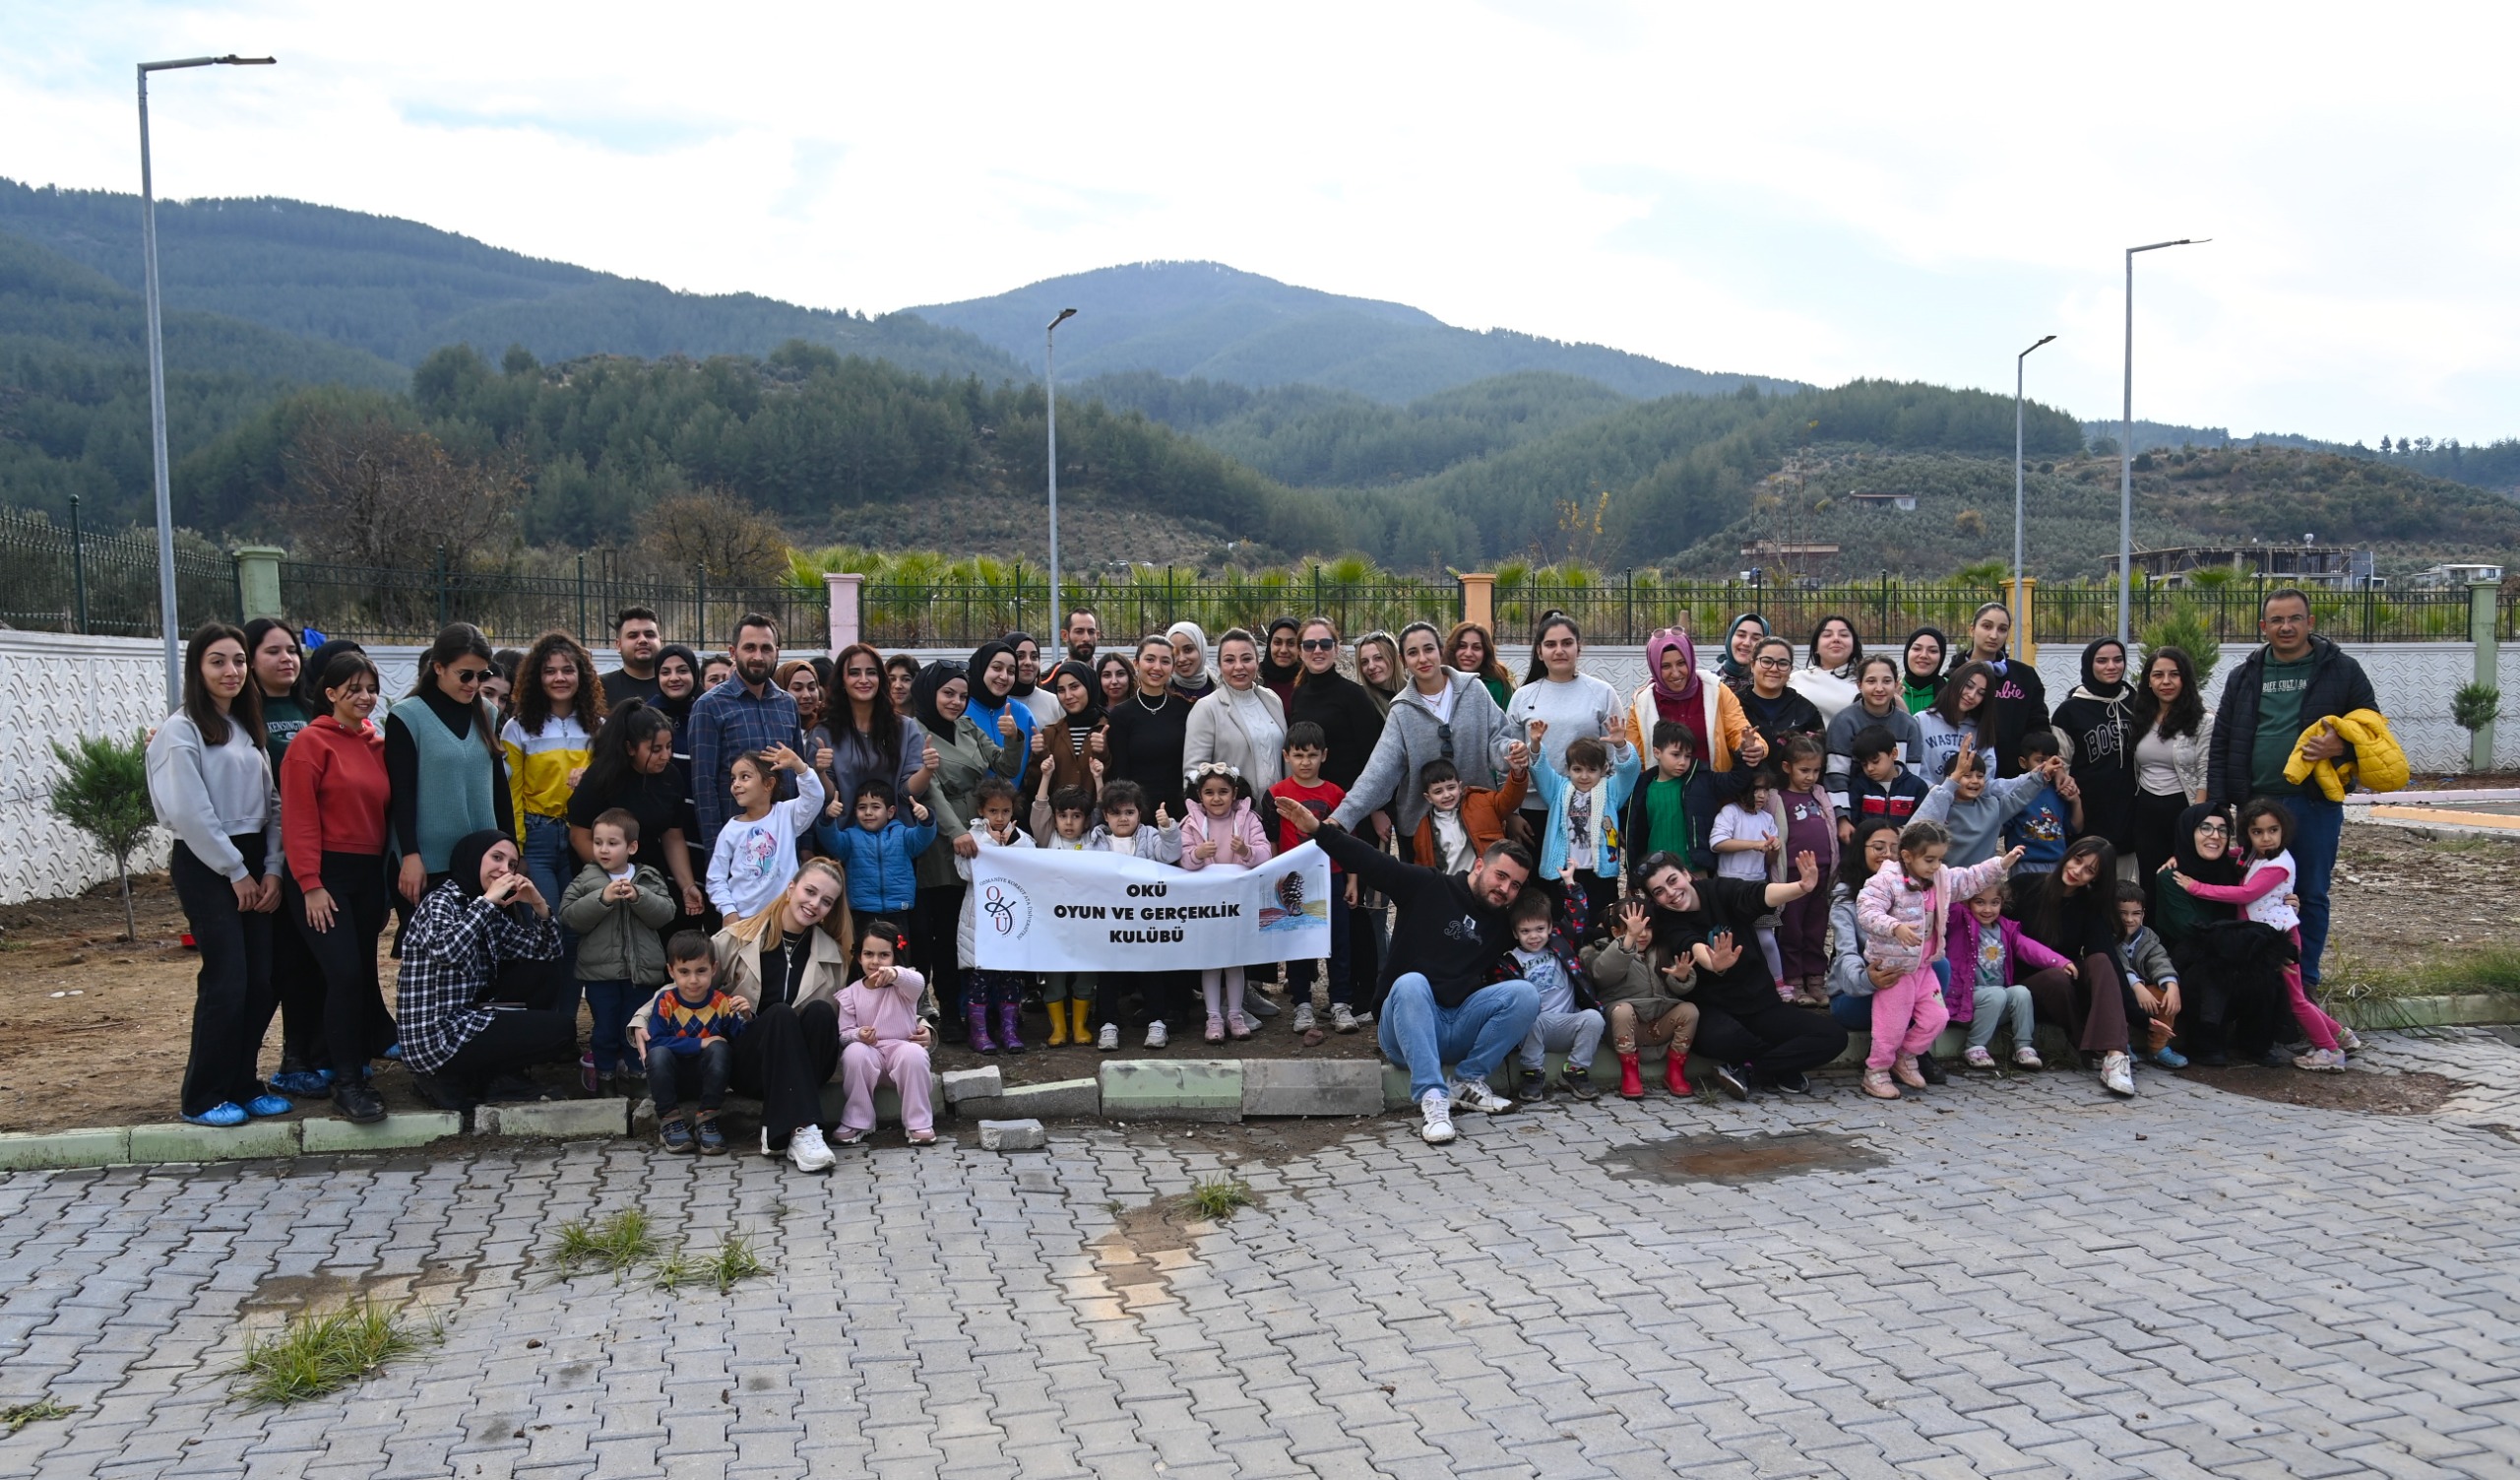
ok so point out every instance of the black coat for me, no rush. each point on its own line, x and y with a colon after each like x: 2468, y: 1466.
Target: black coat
x: 2338, y: 686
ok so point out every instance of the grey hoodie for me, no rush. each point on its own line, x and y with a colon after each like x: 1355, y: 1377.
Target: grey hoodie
x: 1412, y: 735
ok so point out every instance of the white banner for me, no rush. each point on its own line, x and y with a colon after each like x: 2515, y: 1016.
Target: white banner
x: 1039, y: 910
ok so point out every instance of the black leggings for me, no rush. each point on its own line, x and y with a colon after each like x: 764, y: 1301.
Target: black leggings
x: 233, y: 995
x: 533, y: 1029
x: 2156, y: 825
x: 1774, y: 1039
x: 784, y: 1057
x: 351, y: 1024
x: 936, y: 927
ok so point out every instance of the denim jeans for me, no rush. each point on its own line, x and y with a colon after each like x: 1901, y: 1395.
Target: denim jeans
x: 2318, y: 825
x: 1473, y: 1037
x: 670, y: 1074
x: 611, y: 1003
x: 549, y: 863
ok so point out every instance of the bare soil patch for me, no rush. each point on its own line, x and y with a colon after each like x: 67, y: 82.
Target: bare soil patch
x: 2364, y: 1090
x: 2399, y: 897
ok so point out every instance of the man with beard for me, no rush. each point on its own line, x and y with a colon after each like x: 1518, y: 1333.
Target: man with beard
x: 746, y: 713
x: 1438, y: 1005
x: 637, y: 638
x: 1082, y: 635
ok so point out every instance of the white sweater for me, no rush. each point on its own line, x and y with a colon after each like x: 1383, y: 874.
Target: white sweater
x: 1572, y: 710
x: 206, y: 794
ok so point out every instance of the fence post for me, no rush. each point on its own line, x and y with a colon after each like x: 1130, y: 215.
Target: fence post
x: 1882, y: 627
x: 258, y: 580
x: 77, y: 570
x: 582, y: 590
x: 440, y: 580
x: 2482, y: 603
x: 700, y: 604
x: 843, y: 589
x: 1478, y: 601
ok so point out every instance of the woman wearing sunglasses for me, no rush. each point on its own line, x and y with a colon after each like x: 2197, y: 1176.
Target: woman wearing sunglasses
x: 442, y: 760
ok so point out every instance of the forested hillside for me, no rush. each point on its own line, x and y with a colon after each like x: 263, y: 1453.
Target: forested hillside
x: 399, y: 290
x: 1204, y: 320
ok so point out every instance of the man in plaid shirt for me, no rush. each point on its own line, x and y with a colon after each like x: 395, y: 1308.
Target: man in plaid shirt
x: 747, y: 712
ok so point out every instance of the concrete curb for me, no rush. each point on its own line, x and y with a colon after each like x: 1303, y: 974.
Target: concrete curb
x: 1213, y: 1090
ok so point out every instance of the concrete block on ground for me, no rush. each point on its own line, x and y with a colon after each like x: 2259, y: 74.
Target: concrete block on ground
x: 1013, y: 1135
x: 1172, y: 1089
x: 181, y: 1141
x: 557, y: 1120
x: 94, y: 1146
x: 1311, y: 1086
x: 394, y: 1133
x: 1058, y: 1100
x: 984, y: 1082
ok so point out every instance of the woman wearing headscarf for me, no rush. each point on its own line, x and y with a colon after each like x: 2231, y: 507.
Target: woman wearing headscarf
x: 1032, y: 681
x: 992, y: 705
x: 1827, y: 675
x: 2230, y: 970
x: 1281, y: 658
x: 1741, y: 644
x: 2095, y: 721
x: 677, y: 685
x: 1921, y: 667
x: 965, y: 752
x: 1063, y: 750
x: 484, y: 992
x: 1192, y: 679
x: 1677, y: 692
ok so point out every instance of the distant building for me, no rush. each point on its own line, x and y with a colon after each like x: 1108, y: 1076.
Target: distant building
x: 2331, y: 566
x: 2456, y: 575
x: 1906, y: 503
x: 1771, y: 549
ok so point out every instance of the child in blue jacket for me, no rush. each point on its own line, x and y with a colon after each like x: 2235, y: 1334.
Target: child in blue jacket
x: 1580, y: 849
x: 878, y: 852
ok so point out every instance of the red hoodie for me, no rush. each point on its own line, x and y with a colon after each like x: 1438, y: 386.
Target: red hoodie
x: 333, y: 794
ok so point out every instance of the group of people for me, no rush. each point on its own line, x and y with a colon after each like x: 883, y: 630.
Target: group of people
x: 754, y: 873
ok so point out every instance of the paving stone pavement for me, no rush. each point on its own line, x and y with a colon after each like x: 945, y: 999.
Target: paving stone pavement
x: 2020, y: 1278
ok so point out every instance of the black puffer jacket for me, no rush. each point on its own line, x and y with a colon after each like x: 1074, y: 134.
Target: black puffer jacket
x: 2338, y: 686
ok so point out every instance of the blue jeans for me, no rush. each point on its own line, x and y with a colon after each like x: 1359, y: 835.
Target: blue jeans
x: 611, y: 1003
x: 1473, y: 1037
x: 2318, y: 825
x: 550, y: 864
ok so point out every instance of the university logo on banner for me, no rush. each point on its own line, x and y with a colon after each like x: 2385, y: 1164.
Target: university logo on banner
x: 1043, y: 910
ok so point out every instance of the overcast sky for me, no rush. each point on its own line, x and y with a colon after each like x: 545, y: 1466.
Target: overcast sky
x: 1815, y: 192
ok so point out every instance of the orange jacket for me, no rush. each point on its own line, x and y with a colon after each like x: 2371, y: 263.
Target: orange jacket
x: 1482, y: 815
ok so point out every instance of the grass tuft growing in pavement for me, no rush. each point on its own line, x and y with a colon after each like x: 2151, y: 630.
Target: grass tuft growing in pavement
x: 316, y: 1354
x: 622, y: 1243
x: 733, y: 1260
x: 1217, y: 1198
x: 17, y: 1415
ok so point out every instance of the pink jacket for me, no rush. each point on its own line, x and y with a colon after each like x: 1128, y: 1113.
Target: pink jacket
x: 1889, y: 900
x: 893, y: 1011
x: 2020, y: 950
x: 1243, y: 825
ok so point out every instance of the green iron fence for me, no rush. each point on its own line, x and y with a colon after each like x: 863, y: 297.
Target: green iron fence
x: 65, y: 578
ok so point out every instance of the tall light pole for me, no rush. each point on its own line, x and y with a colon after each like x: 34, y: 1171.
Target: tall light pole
x: 157, y: 370
x: 2126, y: 442
x: 2021, y: 612
x: 1050, y: 378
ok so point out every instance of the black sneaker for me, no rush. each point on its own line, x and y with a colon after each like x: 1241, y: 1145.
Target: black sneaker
x: 712, y: 1142
x: 505, y: 1088
x: 444, y: 1092
x: 1794, y: 1083
x: 1932, y: 1068
x: 677, y: 1136
x: 1531, y: 1084
x: 1579, y: 1083
x: 1729, y: 1078
x: 357, y: 1102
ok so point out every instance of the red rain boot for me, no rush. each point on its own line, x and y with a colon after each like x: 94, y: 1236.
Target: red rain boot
x: 1631, y: 1082
x: 1676, y: 1072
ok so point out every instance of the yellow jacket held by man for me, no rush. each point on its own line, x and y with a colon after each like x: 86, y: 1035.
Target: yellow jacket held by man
x: 2377, y: 764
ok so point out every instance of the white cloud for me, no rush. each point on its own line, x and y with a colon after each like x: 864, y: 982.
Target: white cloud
x: 1815, y: 192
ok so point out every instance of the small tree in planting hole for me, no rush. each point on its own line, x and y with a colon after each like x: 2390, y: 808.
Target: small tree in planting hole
x: 2473, y: 707
x: 103, y: 791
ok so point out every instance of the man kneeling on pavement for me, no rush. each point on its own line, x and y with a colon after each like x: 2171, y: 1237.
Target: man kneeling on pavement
x: 1438, y: 1003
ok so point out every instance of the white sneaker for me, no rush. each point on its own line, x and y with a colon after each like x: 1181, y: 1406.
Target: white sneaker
x: 1304, y: 1017
x: 1474, y: 1094
x: 807, y: 1149
x: 1108, y: 1039
x: 1156, y: 1036
x: 1343, y: 1019
x: 1439, y: 1118
x: 2117, y: 1074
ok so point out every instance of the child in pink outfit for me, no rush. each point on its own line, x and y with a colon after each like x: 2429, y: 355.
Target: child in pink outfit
x: 878, y: 1014
x: 1904, y: 911
x: 1223, y: 832
x: 2262, y: 895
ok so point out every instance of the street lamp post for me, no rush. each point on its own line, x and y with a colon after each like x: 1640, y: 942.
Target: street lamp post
x: 2021, y: 606
x: 2126, y: 441
x: 158, y: 368
x: 1050, y: 379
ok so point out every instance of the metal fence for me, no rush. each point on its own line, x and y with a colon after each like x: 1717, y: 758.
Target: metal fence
x: 915, y: 614
x: 2229, y: 611
x: 63, y: 578
x: 379, y: 605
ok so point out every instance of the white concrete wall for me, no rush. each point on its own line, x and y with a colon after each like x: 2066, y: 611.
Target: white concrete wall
x: 59, y: 686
